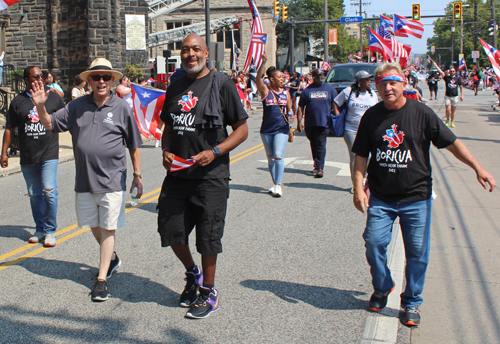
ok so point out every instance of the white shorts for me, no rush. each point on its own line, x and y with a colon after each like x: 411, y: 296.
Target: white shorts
x: 450, y: 100
x: 105, y: 210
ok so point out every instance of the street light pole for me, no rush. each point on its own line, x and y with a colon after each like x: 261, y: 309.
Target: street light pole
x: 326, y: 31
x: 207, y: 28
x: 452, y: 44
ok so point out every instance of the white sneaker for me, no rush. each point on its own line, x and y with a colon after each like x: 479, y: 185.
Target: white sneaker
x: 37, y: 237
x: 278, y: 191
x: 272, y: 189
x: 50, y: 240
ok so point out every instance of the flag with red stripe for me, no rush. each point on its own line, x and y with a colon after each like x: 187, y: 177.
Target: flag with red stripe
x: 380, y: 45
x: 387, y: 23
x: 489, y: 51
x: 4, y: 4
x: 461, y: 64
x: 398, y: 49
x: 180, y: 164
x: 404, y: 27
x: 147, y: 106
x: 258, y: 40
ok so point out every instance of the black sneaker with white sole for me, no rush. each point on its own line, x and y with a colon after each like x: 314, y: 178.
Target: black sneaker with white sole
x: 100, y: 290
x: 114, y: 265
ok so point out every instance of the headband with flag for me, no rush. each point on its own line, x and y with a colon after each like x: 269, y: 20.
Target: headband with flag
x: 389, y: 77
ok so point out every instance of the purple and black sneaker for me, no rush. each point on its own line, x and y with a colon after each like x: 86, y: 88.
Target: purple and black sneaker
x: 193, y: 281
x: 206, y: 304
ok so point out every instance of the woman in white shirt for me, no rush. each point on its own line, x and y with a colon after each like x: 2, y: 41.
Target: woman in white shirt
x: 79, y: 89
x: 361, y: 98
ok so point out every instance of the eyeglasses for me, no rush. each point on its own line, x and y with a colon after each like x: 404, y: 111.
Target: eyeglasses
x: 97, y: 77
x: 36, y: 77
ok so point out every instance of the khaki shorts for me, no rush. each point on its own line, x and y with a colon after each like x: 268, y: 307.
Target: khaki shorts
x: 105, y: 210
x: 450, y: 100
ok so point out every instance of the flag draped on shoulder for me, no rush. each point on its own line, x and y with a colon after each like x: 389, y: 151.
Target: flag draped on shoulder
x: 380, y: 45
x: 490, y: 51
x: 258, y: 39
x: 404, y: 27
x: 180, y: 164
x: 4, y: 4
x: 147, y: 106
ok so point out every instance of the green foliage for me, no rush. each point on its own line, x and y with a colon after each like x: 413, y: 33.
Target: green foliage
x: 443, y: 35
x: 19, y: 72
x: 134, y: 72
x: 303, y: 10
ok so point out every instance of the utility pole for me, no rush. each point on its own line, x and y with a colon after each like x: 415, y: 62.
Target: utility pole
x: 292, y: 48
x: 494, y: 23
x: 360, y: 3
x: 326, y: 31
x: 452, y: 44
x: 207, y: 29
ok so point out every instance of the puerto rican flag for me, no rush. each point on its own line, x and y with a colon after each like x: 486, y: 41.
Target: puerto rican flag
x: 147, y: 106
x: 180, y: 164
x: 387, y: 23
x: 325, y: 67
x: 461, y: 64
x: 494, y: 51
x: 429, y: 60
x: 380, y: 45
x: 404, y: 27
x: 4, y: 4
x: 258, y: 41
x: 383, y: 32
x: 494, y: 63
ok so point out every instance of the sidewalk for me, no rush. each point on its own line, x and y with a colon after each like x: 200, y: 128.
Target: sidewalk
x: 65, y: 153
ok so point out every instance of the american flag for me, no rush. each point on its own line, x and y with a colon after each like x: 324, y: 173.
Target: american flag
x: 404, y: 27
x: 383, y: 32
x: 398, y: 49
x: 147, y: 106
x: 387, y: 23
x: 4, y: 4
x: 380, y: 45
x: 180, y: 164
x: 489, y: 50
x: 257, y: 44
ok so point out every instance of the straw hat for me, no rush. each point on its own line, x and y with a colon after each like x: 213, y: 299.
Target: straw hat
x: 101, y: 65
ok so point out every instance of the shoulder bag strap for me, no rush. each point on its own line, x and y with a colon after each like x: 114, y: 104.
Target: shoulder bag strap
x: 277, y: 104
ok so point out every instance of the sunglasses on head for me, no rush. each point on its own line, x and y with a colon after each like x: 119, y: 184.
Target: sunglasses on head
x: 97, y: 77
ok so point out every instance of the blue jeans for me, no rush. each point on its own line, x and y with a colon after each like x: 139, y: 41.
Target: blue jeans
x: 415, y: 221
x: 275, y: 150
x: 41, y: 181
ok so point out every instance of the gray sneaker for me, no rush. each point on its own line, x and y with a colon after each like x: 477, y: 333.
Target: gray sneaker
x: 50, y: 240
x: 37, y: 237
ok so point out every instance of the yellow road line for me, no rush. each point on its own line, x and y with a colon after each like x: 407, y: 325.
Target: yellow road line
x: 3, y: 266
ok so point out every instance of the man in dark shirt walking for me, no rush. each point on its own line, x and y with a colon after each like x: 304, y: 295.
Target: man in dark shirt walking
x: 39, y: 156
x: 198, y: 107
x: 453, y: 82
x: 397, y: 133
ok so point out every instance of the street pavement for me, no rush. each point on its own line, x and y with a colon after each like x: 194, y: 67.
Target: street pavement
x: 293, y: 268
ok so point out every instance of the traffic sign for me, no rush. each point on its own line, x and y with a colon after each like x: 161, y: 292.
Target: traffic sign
x: 349, y: 20
x: 475, y: 54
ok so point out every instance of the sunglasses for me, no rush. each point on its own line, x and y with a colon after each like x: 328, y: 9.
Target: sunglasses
x: 36, y: 77
x: 97, y: 77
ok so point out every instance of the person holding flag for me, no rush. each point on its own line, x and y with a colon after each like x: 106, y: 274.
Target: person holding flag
x: 452, y: 82
x: 198, y: 107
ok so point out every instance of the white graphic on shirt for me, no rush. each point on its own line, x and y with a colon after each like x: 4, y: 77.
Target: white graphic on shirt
x: 393, y: 158
x: 183, y: 122
x: 319, y: 95
x: 109, y: 118
x: 35, y: 128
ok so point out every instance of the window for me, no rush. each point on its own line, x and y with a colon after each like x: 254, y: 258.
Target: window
x: 220, y: 36
x: 236, y: 38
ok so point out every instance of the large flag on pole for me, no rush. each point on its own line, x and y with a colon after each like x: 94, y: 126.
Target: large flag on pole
x: 494, y: 63
x: 235, y: 53
x: 387, y: 23
x: 147, y: 106
x: 461, y: 64
x: 4, y: 4
x: 398, y: 49
x: 380, y: 45
x: 494, y: 51
x: 258, y: 40
x: 404, y: 27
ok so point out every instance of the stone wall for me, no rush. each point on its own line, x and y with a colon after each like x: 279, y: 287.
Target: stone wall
x: 67, y: 35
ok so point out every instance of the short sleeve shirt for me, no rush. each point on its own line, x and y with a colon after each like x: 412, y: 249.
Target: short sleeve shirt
x: 36, y: 143
x: 452, y: 85
x: 188, y: 138
x: 100, y: 135
x: 356, y: 107
x: 317, y: 100
x: 399, y: 143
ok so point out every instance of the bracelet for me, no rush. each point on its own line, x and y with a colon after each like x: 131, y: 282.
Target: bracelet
x: 164, y: 149
x: 137, y: 175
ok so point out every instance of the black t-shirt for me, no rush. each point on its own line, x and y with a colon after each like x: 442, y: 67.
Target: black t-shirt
x: 189, y: 137
x: 36, y: 143
x: 452, y: 84
x: 399, y: 143
x: 433, y: 78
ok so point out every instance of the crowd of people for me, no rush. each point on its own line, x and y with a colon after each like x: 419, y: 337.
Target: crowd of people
x: 388, y: 143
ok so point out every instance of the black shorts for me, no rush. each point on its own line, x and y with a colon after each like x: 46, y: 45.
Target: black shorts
x: 433, y: 87
x: 186, y: 203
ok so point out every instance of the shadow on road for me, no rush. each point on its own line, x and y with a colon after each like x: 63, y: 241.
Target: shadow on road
x: 24, y: 326
x: 319, y: 297
x: 21, y: 232
x: 122, y: 285
x: 317, y: 186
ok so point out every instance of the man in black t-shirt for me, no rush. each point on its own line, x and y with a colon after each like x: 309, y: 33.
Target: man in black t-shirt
x: 39, y: 149
x: 432, y: 82
x: 197, y: 109
x: 397, y: 133
x: 453, y: 82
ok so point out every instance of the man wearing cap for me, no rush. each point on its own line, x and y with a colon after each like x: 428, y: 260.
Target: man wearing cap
x: 100, y: 124
x: 197, y: 109
x: 316, y: 102
x: 39, y: 149
x: 397, y: 133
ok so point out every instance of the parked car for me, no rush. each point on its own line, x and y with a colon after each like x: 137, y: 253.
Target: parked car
x: 342, y: 75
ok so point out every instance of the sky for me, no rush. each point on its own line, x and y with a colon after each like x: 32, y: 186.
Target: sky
x: 403, y: 8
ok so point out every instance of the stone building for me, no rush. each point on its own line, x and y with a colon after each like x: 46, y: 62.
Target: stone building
x: 66, y: 35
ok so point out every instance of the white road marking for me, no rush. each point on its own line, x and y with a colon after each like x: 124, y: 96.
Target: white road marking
x: 344, y: 170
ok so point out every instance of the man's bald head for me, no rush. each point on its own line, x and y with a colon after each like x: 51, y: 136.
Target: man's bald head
x: 194, y: 56
x: 196, y: 40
